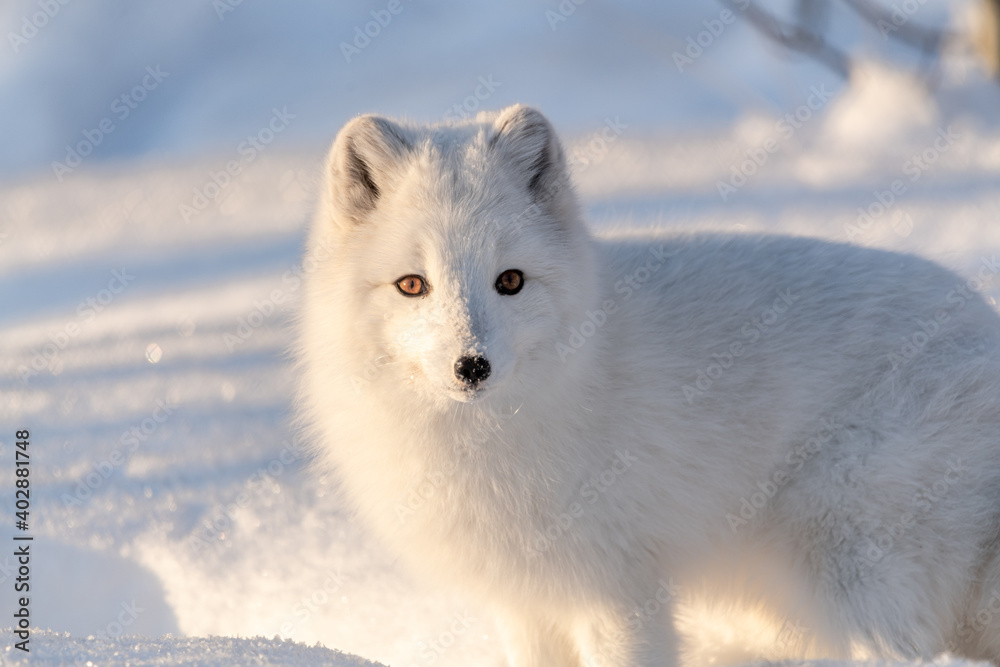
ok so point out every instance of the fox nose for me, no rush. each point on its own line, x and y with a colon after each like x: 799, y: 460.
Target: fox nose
x: 472, y: 370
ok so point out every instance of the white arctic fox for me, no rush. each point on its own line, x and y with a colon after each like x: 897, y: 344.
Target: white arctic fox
x: 582, y: 430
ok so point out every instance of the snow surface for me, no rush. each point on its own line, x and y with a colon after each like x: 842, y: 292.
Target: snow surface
x: 52, y: 648
x: 174, y: 515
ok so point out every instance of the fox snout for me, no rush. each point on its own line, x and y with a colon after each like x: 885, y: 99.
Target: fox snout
x: 471, y: 371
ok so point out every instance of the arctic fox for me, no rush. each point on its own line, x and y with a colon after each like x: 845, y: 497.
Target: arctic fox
x: 585, y: 429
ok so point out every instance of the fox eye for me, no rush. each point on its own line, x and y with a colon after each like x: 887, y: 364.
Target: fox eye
x: 510, y: 282
x: 412, y: 286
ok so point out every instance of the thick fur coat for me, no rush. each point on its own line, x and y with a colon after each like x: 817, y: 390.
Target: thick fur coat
x: 809, y: 427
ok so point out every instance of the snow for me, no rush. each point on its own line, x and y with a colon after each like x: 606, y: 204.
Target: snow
x: 52, y: 648
x: 174, y: 514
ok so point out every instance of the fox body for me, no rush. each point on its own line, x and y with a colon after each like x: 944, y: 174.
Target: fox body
x: 584, y: 430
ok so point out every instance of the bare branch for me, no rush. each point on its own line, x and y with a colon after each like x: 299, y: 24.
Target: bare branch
x: 928, y: 40
x: 797, y: 38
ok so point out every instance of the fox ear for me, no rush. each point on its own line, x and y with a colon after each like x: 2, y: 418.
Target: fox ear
x: 363, y: 161
x: 526, y: 138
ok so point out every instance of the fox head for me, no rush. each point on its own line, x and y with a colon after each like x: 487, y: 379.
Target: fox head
x: 449, y: 260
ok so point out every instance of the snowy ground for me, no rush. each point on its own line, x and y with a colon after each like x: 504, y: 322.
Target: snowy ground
x: 51, y: 648
x: 143, y: 344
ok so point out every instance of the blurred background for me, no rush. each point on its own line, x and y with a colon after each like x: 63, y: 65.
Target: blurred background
x: 228, y: 63
x: 158, y: 169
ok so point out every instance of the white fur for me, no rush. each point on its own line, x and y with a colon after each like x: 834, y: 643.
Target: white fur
x: 621, y: 455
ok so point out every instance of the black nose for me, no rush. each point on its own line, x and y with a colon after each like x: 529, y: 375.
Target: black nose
x: 472, y: 370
